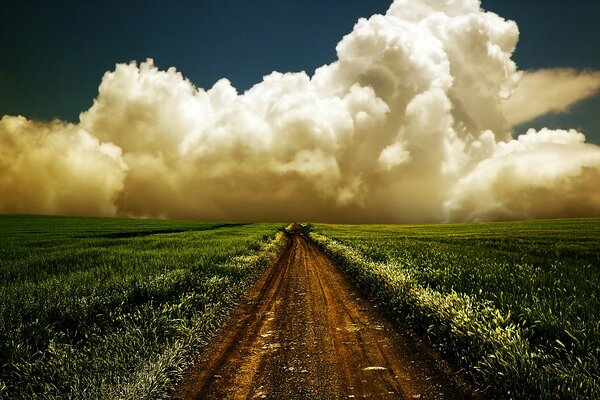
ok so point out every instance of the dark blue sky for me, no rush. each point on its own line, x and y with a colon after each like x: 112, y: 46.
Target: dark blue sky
x: 53, y: 54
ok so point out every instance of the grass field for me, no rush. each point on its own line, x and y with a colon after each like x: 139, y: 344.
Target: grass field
x: 116, y: 308
x: 517, y: 303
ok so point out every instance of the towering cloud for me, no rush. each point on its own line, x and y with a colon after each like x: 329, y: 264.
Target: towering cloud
x: 408, y: 125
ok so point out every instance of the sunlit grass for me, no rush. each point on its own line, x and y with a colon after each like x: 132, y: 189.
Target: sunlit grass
x: 517, y: 303
x: 115, y: 308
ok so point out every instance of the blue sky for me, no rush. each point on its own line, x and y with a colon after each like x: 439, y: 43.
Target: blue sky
x: 55, y: 53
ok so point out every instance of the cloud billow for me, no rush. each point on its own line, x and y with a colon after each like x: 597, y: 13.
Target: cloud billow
x: 412, y: 123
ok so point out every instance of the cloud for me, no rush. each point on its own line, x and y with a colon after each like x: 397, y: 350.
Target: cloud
x: 542, y: 174
x: 407, y: 125
x: 549, y: 91
x: 57, y: 168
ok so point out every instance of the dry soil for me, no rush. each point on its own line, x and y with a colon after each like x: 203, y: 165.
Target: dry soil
x: 304, y: 332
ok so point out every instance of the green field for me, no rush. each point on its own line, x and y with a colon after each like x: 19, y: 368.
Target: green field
x: 518, y: 303
x: 116, y: 308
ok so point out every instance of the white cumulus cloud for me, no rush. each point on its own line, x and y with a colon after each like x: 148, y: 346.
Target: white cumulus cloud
x: 411, y: 123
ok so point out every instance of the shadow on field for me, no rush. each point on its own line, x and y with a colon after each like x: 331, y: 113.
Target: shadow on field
x: 126, y: 235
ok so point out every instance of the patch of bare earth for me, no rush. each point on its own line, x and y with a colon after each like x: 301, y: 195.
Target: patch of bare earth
x: 304, y: 332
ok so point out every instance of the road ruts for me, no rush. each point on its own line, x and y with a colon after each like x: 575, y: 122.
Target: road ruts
x: 304, y: 332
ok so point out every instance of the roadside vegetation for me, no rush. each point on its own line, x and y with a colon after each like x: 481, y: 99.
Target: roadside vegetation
x: 517, y: 303
x: 116, y: 308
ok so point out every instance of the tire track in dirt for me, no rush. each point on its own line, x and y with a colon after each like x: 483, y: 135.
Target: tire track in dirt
x: 304, y: 332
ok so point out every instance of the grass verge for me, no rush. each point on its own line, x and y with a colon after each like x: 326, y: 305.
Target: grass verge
x: 492, y: 347
x: 92, y: 309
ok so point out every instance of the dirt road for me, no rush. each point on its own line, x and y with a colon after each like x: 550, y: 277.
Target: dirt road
x: 304, y: 332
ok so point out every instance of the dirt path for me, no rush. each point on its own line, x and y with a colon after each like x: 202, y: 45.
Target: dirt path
x: 304, y: 332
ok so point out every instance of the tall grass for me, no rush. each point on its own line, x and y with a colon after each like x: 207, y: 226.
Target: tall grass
x: 516, y: 303
x: 110, y: 308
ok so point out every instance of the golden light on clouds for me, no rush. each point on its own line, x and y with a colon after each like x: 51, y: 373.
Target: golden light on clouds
x: 549, y: 90
x: 408, y: 125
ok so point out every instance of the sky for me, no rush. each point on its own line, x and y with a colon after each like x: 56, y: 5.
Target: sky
x: 403, y: 118
x: 60, y: 50
x: 57, y: 52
